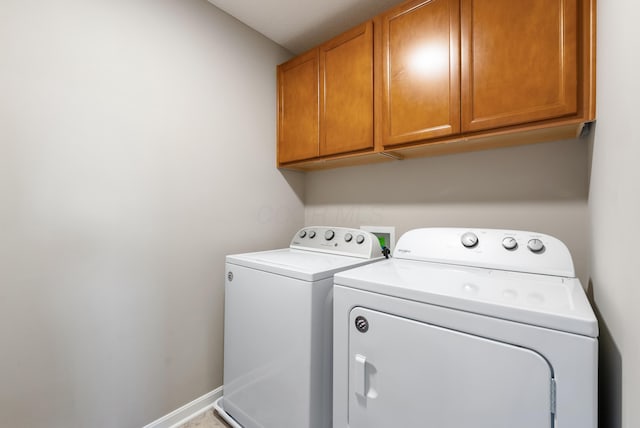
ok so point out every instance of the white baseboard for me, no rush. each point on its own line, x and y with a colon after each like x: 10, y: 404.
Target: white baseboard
x: 188, y: 411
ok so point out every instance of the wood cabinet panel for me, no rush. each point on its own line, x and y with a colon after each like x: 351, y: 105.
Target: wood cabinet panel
x: 447, y: 76
x: 519, y: 61
x: 298, y: 108
x: 420, y: 71
x: 346, y: 88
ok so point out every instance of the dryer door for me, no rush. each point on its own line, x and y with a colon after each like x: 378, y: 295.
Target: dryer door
x: 412, y: 374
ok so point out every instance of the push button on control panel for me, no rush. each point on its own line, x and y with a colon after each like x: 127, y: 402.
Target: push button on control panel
x: 509, y: 243
x: 535, y: 245
x: 469, y: 240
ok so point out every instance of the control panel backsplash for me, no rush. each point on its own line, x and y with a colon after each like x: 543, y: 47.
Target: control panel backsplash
x: 512, y: 250
x: 337, y: 240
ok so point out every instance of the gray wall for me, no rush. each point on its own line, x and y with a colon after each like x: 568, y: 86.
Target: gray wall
x: 540, y: 187
x: 614, y: 205
x: 137, y: 144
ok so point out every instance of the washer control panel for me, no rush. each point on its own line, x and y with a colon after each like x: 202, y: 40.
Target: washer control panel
x: 513, y: 250
x: 337, y: 240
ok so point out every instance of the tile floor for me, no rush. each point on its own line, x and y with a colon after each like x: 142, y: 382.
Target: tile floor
x: 208, y: 419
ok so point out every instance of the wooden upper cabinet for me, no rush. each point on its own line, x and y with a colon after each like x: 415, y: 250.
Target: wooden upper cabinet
x: 346, y: 92
x: 419, y: 69
x: 519, y: 61
x: 325, y: 99
x: 298, y: 108
x: 440, y: 76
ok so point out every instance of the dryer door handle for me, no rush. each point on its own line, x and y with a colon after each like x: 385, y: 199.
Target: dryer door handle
x: 360, y: 375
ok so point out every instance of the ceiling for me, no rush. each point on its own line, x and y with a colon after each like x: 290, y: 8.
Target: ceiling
x: 299, y: 25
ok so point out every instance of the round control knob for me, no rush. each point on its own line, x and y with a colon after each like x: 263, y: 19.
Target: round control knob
x: 509, y: 243
x: 302, y: 233
x: 535, y: 245
x: 360, y: 239
x: 312, y: 234
x: 329, y: 234
x: 348, y: 237
x: 469, y: 240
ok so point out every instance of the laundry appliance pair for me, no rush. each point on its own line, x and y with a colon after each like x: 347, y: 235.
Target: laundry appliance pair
x: 477, y: 328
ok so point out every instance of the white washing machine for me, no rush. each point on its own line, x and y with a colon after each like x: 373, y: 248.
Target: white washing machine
x: 465, y: 329
x: 278, y: 328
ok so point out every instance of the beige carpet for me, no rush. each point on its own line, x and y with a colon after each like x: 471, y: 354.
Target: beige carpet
x: 208, y: 419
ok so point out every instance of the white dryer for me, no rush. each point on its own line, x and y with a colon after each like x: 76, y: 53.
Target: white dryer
x: 465, y: 329
x: 278, y: 328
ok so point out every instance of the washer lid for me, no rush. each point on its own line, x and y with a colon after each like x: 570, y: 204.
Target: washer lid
x: 299, y: 264
x: 541, y: 300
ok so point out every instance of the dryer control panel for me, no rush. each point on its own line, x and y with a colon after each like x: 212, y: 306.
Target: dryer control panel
x: 511, y: 250
x: 337, y: 240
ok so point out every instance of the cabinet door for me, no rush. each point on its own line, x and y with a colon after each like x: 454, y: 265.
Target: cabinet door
x: 298, y: 108
x: 346, y: 88
x: 420, y: 71
x: 518, y: 61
